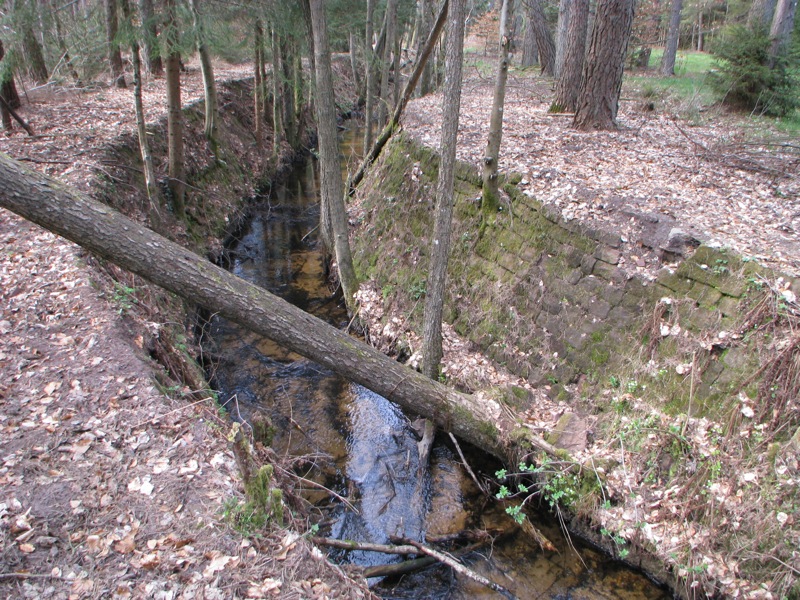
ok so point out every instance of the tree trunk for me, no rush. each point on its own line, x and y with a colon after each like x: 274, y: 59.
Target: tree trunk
x: 114, y: 54
x: 479, y: 420
x: 25, y: 17
x: 153, y: 196
x: 490, y: 199
x: 562, y: 27
x: 781, y: 31
x: 568, y: 84
x: 427, y: 9
x: 700, y: 31
x: 673, y: 36
x: 329, y: 163
x: 544, y: 40
x: 391, y: 30
x: 598, y: 100
x: 760, y: 14
x: 155, y: 66
x: 287, y: 51
x: 278, y: 127
x: 530, y: 54
x: 209, y: 85
x: 8, y: 92
x: 369, y: 75
x: 440, y: 246
x: 177, y: 186
x: 258, y: 85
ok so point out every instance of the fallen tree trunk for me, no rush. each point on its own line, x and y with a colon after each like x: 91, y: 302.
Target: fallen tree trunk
x: 481, y: 421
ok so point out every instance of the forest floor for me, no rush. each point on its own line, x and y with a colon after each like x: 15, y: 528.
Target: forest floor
x: 110, y: 487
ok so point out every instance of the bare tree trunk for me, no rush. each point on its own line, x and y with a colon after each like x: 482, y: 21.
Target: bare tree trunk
x: 369, y: 75
x: 114, y: 54
x: 760, y: 14
x: 258, y: 84
x: 153, y: 197
x: 155, y: 66
x: 601, y: 82
x: 440, y: 245
x: 330, y: 166
x: 425, y: 22
x: 568, y: 84
x: 278, y: 84
x: 530, y: 53
x: 100, y: 229
x: 209, y: 85
x: 352, y: 47
x: 673, y: 35
x: 177, y: 185
x: 287, y: 51
x: 544, y: 40
x: 564, y: 14
x: 700, y: 36
x: 391, y: 31
x: 8, y: 93
x: 781, y: 31
x: 25, y: 15
x: 490, y: 200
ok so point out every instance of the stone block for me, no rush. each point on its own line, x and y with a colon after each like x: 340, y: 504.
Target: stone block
x: 573, y: 257
x: 574, y: 276
x: 705, y: 295
x: 599, y: 308
x: 607, y: 255
x: 608, y: 272
x: 551, y: 304
x: 587, y: 264
x: 621, y: 315
x: 613, y: 294
x: 609, y: 239
x: 673, y: 281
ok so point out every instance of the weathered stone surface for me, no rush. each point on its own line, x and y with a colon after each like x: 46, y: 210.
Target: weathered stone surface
x: 599, y: 309
x: 574, y: 276
x: 607, y: 255
x: 705, y: 295
x: 570, y: 433
x: 673, y: 281
x: 729, y: 306
x: 587, y: 264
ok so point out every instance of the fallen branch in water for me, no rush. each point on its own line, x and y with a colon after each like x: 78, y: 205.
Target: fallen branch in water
x: 416, y: 564
x: 457, y: 567
x: 365, y: 546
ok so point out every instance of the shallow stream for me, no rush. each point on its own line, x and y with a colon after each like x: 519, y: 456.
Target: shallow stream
x: 365, y: 449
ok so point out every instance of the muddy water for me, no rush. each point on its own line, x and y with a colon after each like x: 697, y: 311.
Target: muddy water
x: 364, y: 448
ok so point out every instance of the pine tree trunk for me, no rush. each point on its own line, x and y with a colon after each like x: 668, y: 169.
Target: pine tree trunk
x: 153, y: 196
x: 426, y: 20
x: 781, y: 31
x: 601, y: 82
x: 114, y: 54
x: 544, y: 40
x: 490, y: 199
x: 530, y: 53
x: 391, y: 30
x: 8, y: 93
x: 25, y: 16
x: 209, y: 85
x: 258, y: 83
x: 177, y: 184
x: 568, y: 84
x: 329, y: 163
x: 288, y: 50
x: 352, y: 47
x: 760, y: 14
x: 562, y: 27
x: 440, y: 246
x: 369, y: 76
x: 155, y: 66
x: 673, y: 36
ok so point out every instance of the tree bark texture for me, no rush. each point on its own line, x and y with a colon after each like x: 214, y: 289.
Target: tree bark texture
x: 673, y: 35
x: 544, y: 40
x: 568, y: 84
x: 207, y: 69
x: 760, y: 14
x: 258, y: 85
x: 391, y: 32
x: 781, y: 31
x: 177, y: 186
x: 8, y: 89
x: 107, y: 233
x: 562, y: 26
x: 25, y: 16
x: 369, y: 74
x: 329, y: 162
x: 426, y: 8
x: 490, y: 200
x: 530, y: 53
x: 440, y: 245
x: 114, y: 54
x: 155, y: 66
x: 151, y: 186
x: 601, y: 82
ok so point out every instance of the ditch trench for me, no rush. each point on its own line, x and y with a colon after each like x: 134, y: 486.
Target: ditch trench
x: 364, y: 448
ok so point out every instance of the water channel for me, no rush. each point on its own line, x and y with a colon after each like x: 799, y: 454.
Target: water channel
x: 364, y: 448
